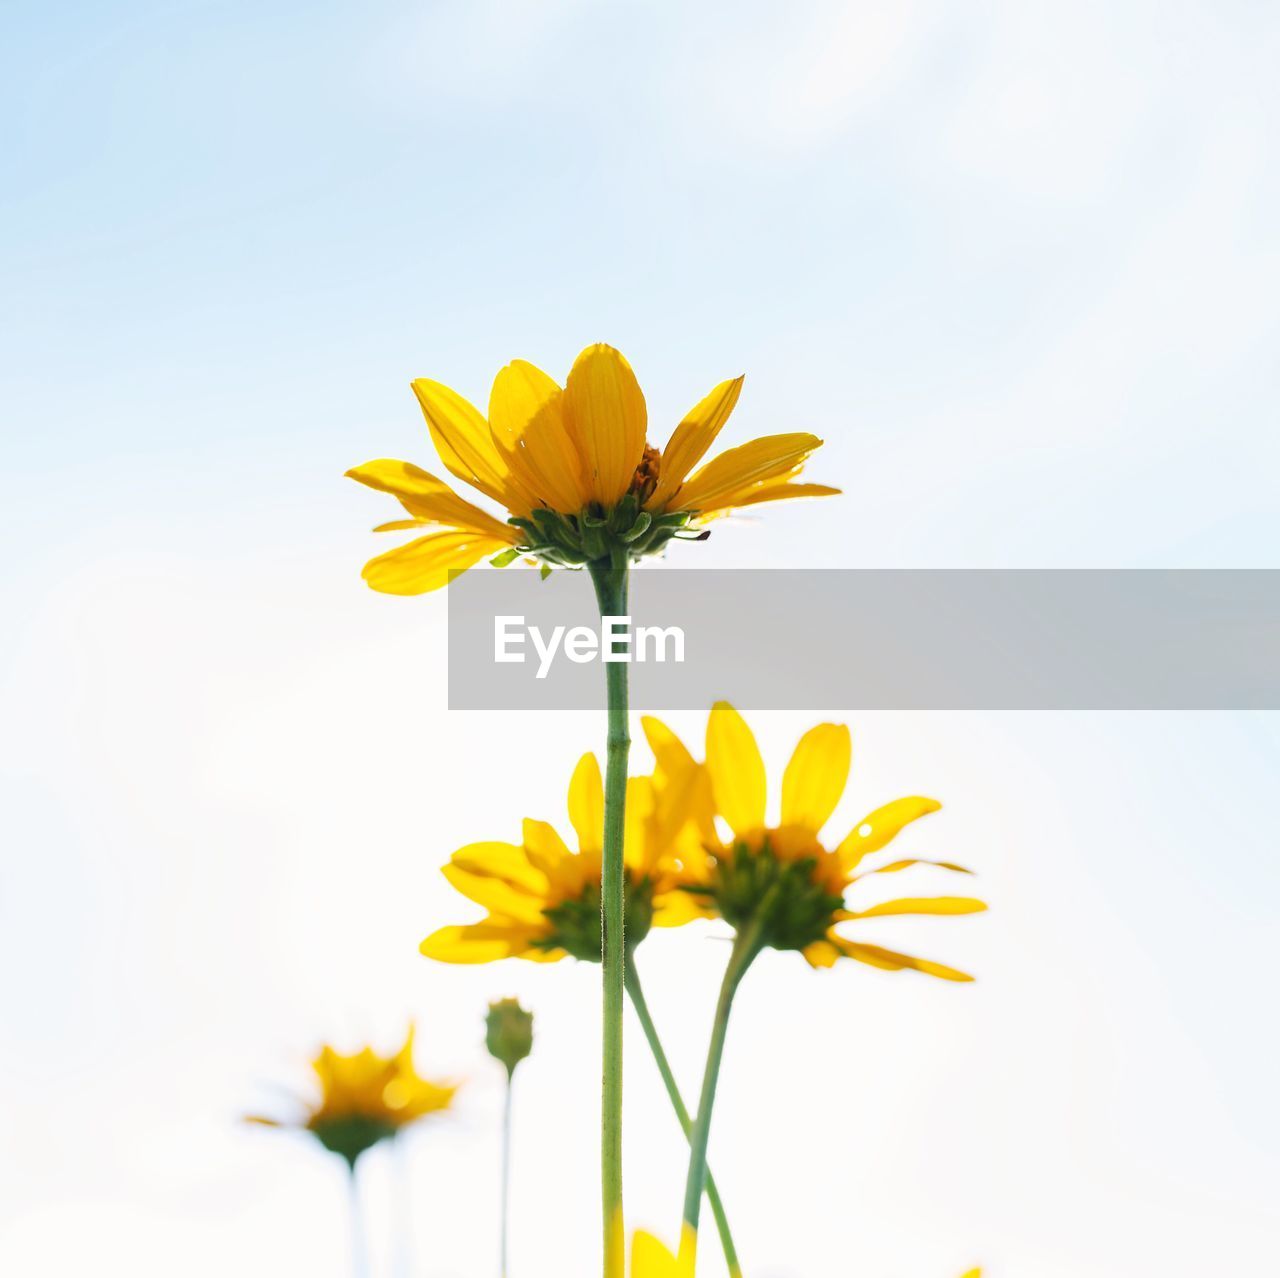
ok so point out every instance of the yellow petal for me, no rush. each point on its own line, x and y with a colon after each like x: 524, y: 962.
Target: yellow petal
x: 526, y: 415
x: 651, y: 1259
x: 736, y: 768
x: 426, y: 497
x: 882, y: 826
x: 545, y: 850
x: 671, y: 753
x: 586, y: 804
x: 684, y: 792
x: 404, y: 525
x: 779, y: 492
x: 922, y: 905
x: 894, y: 866
x: 465, y: 443
x: 691, y: 439
x: 822, y: 953
x: 815, y: 778
x: 496, y: 895
x: 972, y: 1273
x: 501, y: 861
x: 640, y: 851
x: 716, y: 484
x: 471, y: 944
x: 892, y: 961
x: 675, y: 909
x: 428, y: 563
x: 605, y: 415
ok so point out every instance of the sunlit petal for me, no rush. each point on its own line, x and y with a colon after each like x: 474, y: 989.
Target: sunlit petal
x: 586, y: 803
x: 892, y: 961
x: 605, y: 415
x: 882, y: 826
x: 526, y: 415
x: 741, y: 468
x: 691, y: 439
x: 426, y: 497
x: 428, y: 563
x: 465, y: 443
x: 736, y: 768
x: 816, y: 775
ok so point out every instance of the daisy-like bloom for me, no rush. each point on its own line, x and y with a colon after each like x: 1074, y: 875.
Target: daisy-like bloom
x: 793, y: 889
x: 543, y: 898
x: 779, y: 886
x: 573, y: 473
x: 364, y: 1098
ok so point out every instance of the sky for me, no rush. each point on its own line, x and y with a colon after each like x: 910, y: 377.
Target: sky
x: 1017, y: 265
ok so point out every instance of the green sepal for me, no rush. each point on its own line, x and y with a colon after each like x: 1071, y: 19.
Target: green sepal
x: 506, y: 557
x: 638, y: 529
x: 792, y: 910
x: 351, y: 1134
x: 576, y: 924
x: 624, y: 513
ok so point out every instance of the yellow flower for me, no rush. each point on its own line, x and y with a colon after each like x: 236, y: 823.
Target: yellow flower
x: 364, y: 1098
x: 783, y: 879
x: 572, y: 470
x: 650, y: 1259
x: 543, y: 900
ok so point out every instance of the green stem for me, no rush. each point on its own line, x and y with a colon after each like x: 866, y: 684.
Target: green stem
x: 746, y: 945
x: 356, y: 1223
x: 610, y: 580
x: 506, y: 1171
x: 641, y: 1006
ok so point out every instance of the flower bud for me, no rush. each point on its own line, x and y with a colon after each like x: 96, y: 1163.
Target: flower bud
x: 508, y: 1033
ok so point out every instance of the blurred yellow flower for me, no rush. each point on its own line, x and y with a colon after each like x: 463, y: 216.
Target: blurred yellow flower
x: 782, y: 879
x: 364, y: 1098
x: 650, y: 1259
x: 573, y: 472
x: 543, y: 900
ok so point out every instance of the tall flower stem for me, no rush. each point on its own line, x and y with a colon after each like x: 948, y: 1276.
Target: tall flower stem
x: 641, y: 1006
x: 746, y: 945
x: 506, y: 1171
x: 356, y: 1223
x: 610, y: 579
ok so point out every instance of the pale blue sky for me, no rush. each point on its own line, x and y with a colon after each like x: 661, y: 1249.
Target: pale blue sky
x: 1017, y: 264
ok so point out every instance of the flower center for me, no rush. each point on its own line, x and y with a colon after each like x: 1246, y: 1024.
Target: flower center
x: 645, y: 480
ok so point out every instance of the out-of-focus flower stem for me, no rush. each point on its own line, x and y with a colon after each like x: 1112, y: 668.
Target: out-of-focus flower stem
x: 610, y: 579
x: 506, y: 1170
x: 356, y: 1223
x: 641, y: 1006
x: 746, y: 945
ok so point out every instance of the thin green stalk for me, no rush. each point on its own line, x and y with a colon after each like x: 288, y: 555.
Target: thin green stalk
x: 610, y: 580
x: 358, y: 1263
x: 746, y: 945
x: 641, y: 1006
x: 506, y: 1171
